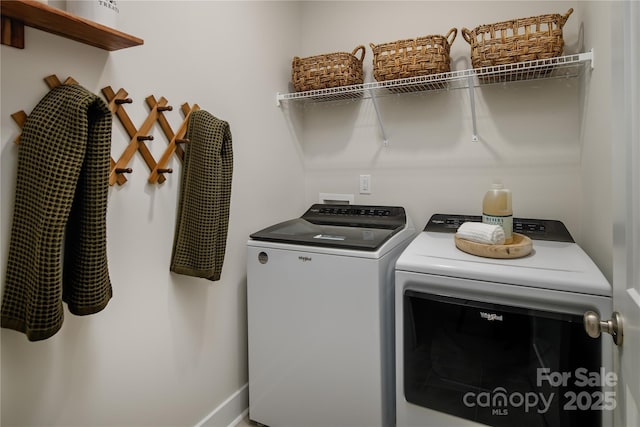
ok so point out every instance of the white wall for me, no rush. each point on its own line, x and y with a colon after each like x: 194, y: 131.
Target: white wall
x: 531, y: 134
x: 168, y: 349
x: 597, y: 134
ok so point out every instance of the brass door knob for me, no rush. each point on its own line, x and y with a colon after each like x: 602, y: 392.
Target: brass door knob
x: 594, y: 326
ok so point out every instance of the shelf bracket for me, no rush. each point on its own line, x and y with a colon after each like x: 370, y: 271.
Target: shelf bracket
x: 472, y: 101
x: 375, y: 107
x: 12, y: 32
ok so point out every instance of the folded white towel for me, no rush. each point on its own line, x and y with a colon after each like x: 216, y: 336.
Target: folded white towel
x: 481, y: 233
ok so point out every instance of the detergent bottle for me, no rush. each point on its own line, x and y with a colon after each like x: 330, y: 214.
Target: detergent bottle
x: 496, y: 210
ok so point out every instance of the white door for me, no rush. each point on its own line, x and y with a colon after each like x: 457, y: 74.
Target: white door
x: 626, y: 193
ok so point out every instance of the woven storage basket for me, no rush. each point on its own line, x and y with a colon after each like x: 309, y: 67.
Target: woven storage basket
x: 412, y: 57
x: 518, y: 40
x: 327, y: 70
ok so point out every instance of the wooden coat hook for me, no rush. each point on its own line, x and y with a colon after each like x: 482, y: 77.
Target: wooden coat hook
x: 175, y: 139
x: 133, y: 133
x: 53, y: 81
x: 20, y: 117
x: 116, y: 100
x: 138, y: 136
x: 137, y: 140
x: 164, y: 125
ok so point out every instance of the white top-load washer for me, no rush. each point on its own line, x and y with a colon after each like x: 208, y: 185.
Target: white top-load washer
x: 500, y: 342
x: 320, y: 317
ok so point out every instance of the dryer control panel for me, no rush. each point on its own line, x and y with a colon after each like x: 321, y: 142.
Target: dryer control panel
x: 536, y: 229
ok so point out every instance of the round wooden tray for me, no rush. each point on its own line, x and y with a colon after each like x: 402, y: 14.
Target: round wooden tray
x: 520, y: 247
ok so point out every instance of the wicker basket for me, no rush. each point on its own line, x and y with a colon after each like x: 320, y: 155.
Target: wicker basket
x: 328, y: 70
x: 412, y: 57
x: 518, y: 40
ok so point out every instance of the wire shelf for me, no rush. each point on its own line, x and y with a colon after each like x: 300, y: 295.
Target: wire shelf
x: 568, y: 66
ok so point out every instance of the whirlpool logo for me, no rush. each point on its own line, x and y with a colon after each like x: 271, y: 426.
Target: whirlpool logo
x: 491, y: 316
x: 304, y: 258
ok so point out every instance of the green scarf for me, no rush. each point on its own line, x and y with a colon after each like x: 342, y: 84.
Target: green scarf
x: 62, y: 185
x: 205, y: 193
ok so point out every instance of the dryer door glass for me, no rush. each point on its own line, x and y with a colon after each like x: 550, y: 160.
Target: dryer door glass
x: 500, y: 365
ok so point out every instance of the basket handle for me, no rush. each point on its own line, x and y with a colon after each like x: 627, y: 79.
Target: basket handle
x: 466, y: 34
x: 361, y: 47
x: 566, y: 16
x: 455, y: 33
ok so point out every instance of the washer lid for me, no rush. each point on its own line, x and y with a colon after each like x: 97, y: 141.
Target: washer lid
x: 551, y: 265
x: 357, y: 227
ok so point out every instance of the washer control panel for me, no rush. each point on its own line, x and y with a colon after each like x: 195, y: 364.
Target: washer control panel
x: 353, y: 211
x: 388, y: 217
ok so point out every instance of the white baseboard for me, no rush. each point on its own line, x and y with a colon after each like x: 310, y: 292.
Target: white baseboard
x: 238, y: 420
x: 230, y: 412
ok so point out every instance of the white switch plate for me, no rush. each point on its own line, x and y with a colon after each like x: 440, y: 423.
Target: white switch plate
x: 365, y: 184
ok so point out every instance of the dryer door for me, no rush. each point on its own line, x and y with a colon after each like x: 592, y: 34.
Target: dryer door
x: 499, y: 365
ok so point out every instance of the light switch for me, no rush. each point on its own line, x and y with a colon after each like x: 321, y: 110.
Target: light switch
x: 365, y: 184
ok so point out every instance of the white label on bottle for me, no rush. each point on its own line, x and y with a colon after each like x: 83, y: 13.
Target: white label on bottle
x: 506, y: 222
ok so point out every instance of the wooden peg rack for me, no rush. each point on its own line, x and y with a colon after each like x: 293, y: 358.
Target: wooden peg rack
x: 138, y: 136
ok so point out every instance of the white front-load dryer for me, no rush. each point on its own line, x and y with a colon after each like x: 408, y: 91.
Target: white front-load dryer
x: 500, y: 342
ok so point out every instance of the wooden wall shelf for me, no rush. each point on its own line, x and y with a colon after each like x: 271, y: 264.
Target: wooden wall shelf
x: 18, y: 13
